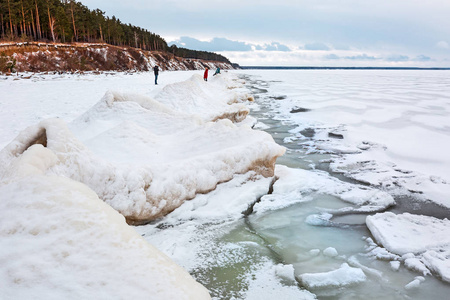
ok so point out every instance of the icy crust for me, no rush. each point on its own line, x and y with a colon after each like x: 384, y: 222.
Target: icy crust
x: 60, y: 241
x: 145, y: 159
x: 210, y: 101
x: 422, y: 242
x: 373, y: 163
x: 200, y: 226
x: 384, y: 174
x: 293, y: 185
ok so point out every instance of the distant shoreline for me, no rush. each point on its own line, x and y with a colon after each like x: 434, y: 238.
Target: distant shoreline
x: 335, y: 68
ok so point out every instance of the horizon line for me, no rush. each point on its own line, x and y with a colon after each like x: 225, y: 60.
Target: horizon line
x: 342, y: 68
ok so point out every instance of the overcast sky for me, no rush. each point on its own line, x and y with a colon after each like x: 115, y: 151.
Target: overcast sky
x: 299, y: 32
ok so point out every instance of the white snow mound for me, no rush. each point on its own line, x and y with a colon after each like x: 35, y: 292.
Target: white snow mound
x: 145, y: 159
x: 197, y: 97
x: 60, y: 241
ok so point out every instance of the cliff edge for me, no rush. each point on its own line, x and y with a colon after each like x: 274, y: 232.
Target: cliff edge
x: 59, y: 57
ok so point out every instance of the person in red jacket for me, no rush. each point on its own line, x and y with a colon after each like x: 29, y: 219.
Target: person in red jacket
x: 205, y: 76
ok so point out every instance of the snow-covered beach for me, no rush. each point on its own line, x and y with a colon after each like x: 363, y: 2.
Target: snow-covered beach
x: 358, y: 143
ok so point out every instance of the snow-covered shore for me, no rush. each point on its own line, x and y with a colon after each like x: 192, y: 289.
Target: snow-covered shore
x: 146, y: 156
x: 142, y: 155
x: 315, y: 231
x: 97, y: 57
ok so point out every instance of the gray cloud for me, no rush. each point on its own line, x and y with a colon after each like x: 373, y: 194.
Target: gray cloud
x: 331, y: 56
x: 274, y: 46
x: 397, y: 57
x: 361, y: 57
x: 422, y: 58
x: 216, y: 44
x: 316, y: 46
x: 223, y: 44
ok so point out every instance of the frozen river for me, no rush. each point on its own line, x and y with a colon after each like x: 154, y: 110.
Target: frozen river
x: 358, y: 142
x: 384, y: 129
x: 349, y: 135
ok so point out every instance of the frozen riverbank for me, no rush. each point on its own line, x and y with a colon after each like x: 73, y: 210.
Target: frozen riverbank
x: 142, y: 155
x: 306, y: 236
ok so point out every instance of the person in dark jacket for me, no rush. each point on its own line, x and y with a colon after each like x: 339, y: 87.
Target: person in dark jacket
x: 156, y: 71
x: 217, y: 71
x: 205, y: 76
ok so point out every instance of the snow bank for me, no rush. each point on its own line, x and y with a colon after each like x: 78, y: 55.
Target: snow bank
x: 421, y: 240
x: 144, y: 158
x: 344, y: 276
x: 60, y: 241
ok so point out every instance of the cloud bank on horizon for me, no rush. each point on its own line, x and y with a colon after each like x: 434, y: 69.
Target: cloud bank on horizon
x: 299, y: 32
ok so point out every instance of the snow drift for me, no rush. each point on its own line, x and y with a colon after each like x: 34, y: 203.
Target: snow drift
x: 143, y: 157
x: 209, y: 103
x: 60, y: 241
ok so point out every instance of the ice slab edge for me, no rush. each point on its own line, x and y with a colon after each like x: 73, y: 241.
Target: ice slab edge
x: 422, y: 242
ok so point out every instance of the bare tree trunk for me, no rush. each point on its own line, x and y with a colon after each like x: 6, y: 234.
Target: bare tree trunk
x: 3, y: 27
x: 32, y: 24
x: 23, y: 20
x: 101, y: 33
x: 38, y: 24
x: 10, y: 21
x: 73, y: 22
x: 51, y: 23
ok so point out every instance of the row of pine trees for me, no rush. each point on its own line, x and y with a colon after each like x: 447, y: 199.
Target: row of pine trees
x: 70, y: 21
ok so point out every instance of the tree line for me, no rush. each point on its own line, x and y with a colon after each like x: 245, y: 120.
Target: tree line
x: 187, y: 53
x: 70, y: 21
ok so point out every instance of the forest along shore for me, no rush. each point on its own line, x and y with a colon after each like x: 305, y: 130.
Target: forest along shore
x: 80, y: 57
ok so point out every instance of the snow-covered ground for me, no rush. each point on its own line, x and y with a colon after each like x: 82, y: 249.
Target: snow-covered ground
x: 358, y: 142
x: 142, y: 155
x: 60, y: 241
x: 25, y: 102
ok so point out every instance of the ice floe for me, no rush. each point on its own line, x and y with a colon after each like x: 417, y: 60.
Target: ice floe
x: 422, y: 242
x: 341, y: 277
